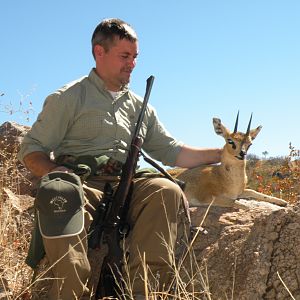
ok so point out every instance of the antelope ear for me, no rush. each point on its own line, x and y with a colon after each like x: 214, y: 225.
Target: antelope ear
x: 220, y: 129
x: 254, y: 132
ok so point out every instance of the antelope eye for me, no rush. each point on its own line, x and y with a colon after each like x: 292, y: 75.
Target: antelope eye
x: 231, y: 142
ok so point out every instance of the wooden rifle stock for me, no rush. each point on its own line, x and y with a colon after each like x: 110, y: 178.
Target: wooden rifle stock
x: 110, y: 281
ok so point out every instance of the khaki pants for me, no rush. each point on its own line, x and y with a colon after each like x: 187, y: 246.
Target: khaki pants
x: 157, y: 217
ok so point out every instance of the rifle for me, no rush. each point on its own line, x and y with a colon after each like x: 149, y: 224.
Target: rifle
x: 110, y: 280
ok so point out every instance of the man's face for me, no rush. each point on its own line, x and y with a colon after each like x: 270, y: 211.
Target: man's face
x: 115, y: 65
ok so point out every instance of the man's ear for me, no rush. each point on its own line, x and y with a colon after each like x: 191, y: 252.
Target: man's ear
x: 98, y: 51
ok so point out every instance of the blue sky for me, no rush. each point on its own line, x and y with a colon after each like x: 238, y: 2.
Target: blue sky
x: 209, y: 58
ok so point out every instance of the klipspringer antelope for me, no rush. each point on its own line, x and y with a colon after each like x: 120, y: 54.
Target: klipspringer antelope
x: 226, y: 182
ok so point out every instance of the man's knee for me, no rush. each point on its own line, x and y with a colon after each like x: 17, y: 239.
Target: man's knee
x: 171, y: 192
x: 167, y: 186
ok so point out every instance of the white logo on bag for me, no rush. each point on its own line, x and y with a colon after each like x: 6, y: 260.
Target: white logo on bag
x: 59, y: 202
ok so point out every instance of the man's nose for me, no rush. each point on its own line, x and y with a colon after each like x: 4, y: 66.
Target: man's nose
x: 132, y: 63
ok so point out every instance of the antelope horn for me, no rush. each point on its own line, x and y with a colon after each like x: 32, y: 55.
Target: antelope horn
x: 236, y: 122
x: 248, y: 129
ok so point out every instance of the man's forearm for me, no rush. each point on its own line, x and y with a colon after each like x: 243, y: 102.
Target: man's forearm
x: 190, y: 157
x: 39, y: 163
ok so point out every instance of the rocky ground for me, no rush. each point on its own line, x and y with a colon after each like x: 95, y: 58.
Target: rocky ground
x: 252, y: 253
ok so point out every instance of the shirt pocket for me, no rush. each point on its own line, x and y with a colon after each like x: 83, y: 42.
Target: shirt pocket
x: 91, y: 125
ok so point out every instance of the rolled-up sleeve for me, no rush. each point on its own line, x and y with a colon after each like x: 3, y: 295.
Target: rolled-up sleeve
x: 49, y: 129
x: 159, y: 143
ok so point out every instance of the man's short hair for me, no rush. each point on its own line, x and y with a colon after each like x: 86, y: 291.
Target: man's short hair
x: 106, y: 32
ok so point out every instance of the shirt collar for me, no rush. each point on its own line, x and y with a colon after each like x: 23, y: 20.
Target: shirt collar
x: 99, y: 83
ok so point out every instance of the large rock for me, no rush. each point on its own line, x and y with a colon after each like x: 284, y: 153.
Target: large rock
x: 250, y: 254
x: 11, y: 135
x: 16, y: 177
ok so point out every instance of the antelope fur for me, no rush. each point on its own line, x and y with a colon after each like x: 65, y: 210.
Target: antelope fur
x: 226, y: 182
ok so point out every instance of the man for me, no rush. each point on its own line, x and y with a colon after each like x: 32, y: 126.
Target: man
x: 96, y: 116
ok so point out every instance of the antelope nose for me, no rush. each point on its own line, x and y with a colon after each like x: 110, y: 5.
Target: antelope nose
x: 242, y: 154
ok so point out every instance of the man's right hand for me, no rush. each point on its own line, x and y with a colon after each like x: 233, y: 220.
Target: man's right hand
x: 40, y: 164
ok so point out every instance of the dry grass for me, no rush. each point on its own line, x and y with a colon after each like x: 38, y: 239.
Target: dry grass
x: 278, y: 176
x: 15, y: 228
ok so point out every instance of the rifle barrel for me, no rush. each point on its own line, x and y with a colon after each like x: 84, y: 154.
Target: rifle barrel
x: 149, y: 84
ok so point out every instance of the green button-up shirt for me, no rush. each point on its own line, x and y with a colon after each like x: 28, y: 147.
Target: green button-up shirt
x: 82, y: 118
